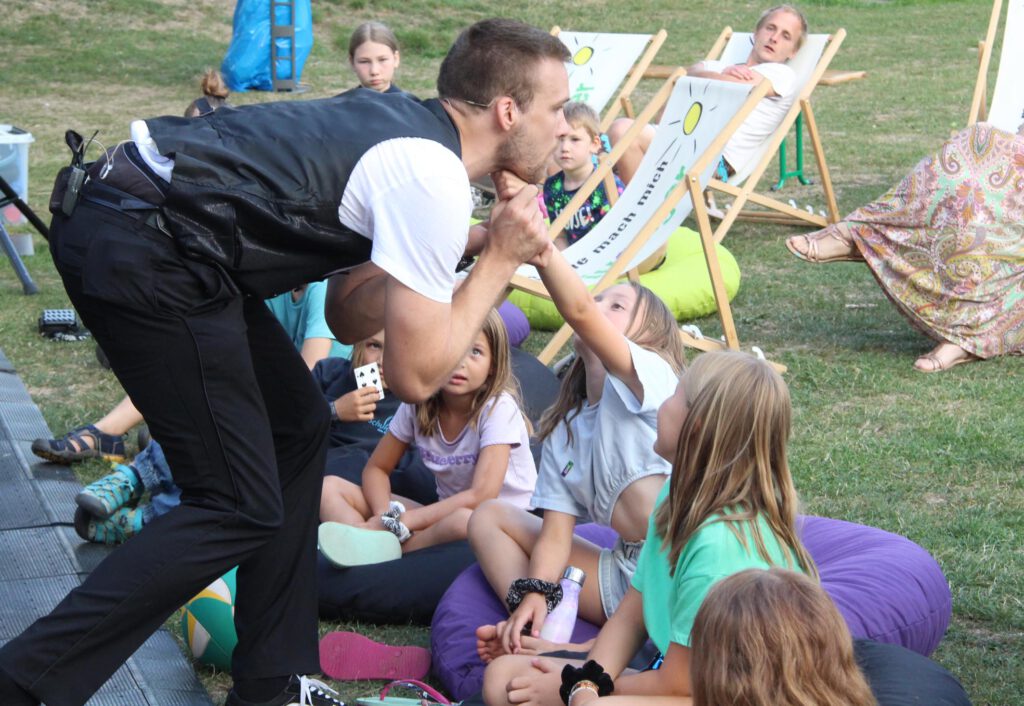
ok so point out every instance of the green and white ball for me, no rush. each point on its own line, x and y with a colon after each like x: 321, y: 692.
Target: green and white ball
x: 208, y: 623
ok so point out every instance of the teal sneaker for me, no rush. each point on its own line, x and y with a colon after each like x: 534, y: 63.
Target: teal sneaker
x: 124, y: 524
x: 104, y: 497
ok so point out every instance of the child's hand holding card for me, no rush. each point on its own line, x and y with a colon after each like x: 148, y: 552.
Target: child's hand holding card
x: 369, y: 376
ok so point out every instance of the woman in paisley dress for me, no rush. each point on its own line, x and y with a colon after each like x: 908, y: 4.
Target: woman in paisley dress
x: 947, y: 246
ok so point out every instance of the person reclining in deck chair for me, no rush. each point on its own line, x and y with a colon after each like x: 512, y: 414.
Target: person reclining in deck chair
x: 778, y: 36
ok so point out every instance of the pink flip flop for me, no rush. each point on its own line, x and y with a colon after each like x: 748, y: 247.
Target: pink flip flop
x: 351, y: 656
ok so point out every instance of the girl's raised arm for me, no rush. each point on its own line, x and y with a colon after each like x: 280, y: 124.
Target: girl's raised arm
x: 581, y: 312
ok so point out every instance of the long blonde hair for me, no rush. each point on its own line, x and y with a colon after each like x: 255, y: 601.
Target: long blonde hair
x: 500, y: 379
x: 651, y: 326
x: 731, y: 457
x: 773, y: 638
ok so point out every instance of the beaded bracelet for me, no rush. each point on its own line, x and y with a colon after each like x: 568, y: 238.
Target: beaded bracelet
x: 552, y: 592
x: 582, y: 685
x: 591, y: 673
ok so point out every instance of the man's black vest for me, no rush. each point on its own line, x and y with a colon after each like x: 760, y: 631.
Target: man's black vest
x: 256, y: 189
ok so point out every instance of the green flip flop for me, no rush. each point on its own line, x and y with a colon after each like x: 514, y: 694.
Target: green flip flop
x: 344, y: 545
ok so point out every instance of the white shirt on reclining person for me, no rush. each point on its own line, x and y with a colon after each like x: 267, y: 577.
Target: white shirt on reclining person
x: 746, y: 142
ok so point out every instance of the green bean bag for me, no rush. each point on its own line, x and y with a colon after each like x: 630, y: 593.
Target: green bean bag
x: 682, y: 282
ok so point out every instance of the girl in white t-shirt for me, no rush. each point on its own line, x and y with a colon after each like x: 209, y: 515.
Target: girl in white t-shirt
x: 474, y: 437
x: 598, y: 463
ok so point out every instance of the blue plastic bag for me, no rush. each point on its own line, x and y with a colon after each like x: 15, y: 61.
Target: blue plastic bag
x: 247, y: 63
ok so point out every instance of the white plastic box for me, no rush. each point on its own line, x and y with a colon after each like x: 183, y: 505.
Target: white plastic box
x: 14, y: 144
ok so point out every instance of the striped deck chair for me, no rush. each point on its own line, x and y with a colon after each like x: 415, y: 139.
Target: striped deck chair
x: 810, y: 63
x: 1007, y: 110
x: 699, y: 117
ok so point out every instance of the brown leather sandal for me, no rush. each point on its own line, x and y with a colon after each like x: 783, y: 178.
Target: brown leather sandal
x: 934, y: 364
x: 812, y: 254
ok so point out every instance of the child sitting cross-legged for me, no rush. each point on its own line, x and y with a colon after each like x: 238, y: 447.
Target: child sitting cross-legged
x: 729, y: 505
x: 575, y: 155
x: 471, y: 434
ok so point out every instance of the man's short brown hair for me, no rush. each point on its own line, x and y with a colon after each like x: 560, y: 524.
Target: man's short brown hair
x: 495, y: 58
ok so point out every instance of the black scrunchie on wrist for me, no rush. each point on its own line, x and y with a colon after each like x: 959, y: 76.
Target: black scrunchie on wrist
x: 552, y: 593
x: 591, y: 671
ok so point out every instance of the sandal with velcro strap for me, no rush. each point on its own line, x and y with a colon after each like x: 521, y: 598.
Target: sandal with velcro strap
x: 73, y: 448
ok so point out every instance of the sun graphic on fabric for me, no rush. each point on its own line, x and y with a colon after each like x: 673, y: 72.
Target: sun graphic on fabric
x: 582, y: 56
x: 692, y: 118
x: 583, y: 49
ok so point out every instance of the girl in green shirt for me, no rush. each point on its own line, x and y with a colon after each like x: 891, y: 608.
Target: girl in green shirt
x: 729, y: 505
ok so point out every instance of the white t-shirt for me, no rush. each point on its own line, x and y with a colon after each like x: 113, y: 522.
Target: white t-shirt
x: 613, y: 445
x: 746, y: 143
x: 453, y: 462
x: 412, y: 195
x: 409, y: 195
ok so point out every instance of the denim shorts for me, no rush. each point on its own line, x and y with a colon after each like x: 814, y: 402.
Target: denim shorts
x: 615, y: 568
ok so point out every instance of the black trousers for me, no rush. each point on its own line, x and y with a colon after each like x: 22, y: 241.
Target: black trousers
x: 244, y: 428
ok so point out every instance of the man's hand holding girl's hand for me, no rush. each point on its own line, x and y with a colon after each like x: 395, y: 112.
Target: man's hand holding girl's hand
x: 517, y: 229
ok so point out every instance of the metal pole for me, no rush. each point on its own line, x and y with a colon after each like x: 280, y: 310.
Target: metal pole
x: 27, y: 285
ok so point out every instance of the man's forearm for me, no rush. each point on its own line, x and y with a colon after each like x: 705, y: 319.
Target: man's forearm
x: 422, y: 351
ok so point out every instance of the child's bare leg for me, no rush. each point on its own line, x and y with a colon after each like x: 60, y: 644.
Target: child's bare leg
x: 342, y: 501
x: 120, y: 419
x: 502, y: 537
x: 450, y: 529
x: 518, y: 674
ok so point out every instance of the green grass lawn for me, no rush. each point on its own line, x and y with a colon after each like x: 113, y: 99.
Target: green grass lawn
x: 936, y: 458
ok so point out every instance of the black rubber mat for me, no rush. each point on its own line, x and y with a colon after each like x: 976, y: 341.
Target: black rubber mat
x: 12, y: 465
x: 12, y: 389
x: 20, y: 506
x: 24, y: 421
x: 58, y: 487
x: 26, y: 599
x: 41, y: 558
x: 34, y: 553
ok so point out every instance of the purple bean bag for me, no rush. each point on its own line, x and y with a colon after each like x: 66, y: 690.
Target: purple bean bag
x: 470, y: 603
x: 886, y: 587
x: 515, y: 322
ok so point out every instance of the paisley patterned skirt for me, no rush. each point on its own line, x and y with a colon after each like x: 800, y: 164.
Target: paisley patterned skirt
x: 947, y: 242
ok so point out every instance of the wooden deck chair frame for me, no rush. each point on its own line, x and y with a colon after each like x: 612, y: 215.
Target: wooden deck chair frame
x: 777, y: 211
x: 689, y: 186
x: 622, y: 102
x: 980, y: 110
x: 979, y: 101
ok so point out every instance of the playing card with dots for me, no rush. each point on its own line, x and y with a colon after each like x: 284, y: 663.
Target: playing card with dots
x: 369, y: 375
